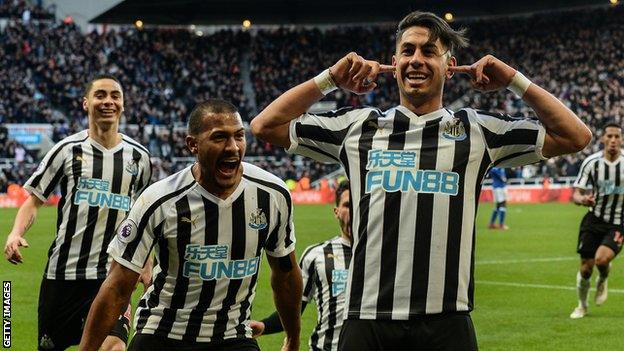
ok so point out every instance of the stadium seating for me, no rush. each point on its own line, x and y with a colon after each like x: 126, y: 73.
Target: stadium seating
x: 44, y: 64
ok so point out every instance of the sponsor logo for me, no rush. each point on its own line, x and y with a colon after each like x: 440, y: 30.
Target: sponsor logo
x: 608, y: 187
x: 395, y: 171
x: 81, y: 159
x: 127, y: 231
x: 96, y: 193
x: 132, y: 167
x: 210, y: 262
x: 257, y: 219
x: 454, y: 130
x: 339, y: 281
x: 193, y: 220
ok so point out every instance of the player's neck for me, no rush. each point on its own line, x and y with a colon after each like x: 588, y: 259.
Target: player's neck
x: 107, y: 137
x: 612, y: 157
x: 422, y: 108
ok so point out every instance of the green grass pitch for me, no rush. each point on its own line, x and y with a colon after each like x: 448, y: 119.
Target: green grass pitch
x: 525, y: 281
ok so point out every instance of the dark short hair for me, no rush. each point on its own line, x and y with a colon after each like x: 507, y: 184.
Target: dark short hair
x: 438, y: 28
x: 215, y: 106
x: 98, y: 77
x: 342, y: 187
x: 610, y: 123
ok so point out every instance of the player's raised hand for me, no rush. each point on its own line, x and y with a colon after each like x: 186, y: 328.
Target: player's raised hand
x: 356, y: 74
x: 487, y: 74
x: 11, y: 248
x: 257, y: 328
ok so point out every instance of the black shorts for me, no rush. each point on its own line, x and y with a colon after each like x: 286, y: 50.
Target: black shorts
x: 63, y: 309
x: 148, y: 342
x: 595, y: 232
x: 441, y: 332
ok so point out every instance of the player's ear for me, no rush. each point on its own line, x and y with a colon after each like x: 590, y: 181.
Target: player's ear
x: 451, y: 62
x: 85, y: 104
x: 191, y: 144
x: 394, y: 63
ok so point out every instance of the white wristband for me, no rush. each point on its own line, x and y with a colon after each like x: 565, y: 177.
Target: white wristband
x: 325, y: 82
x: 519, y: 84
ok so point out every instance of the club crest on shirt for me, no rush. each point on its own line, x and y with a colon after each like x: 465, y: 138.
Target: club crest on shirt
x: 257, y: 219
x: 132, y: 167
x: 454, y: 130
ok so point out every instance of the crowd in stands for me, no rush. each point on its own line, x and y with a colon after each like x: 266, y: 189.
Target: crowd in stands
x: 44, y: 66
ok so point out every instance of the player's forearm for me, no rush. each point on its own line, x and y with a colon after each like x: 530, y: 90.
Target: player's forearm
x: 287, y: 293
x: 284, y: 109
x: 111, y: 300
x: 565, y: 128
x: 26, y: 216
x: 102, y: 317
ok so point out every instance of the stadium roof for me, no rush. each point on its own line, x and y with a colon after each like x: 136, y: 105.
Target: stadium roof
x: 284, y: 12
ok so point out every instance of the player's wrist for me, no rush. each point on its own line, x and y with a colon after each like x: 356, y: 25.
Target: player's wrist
x: 519, y: 84
x: 325, y: 82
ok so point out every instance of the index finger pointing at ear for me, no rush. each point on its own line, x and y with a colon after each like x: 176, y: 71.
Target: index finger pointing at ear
x: 386, y: 68
x: 460, y: 69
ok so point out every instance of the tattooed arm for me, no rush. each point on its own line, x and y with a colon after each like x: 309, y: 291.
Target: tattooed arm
x: 23, y: 221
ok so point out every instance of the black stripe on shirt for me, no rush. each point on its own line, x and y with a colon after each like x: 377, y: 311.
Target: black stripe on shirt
x: 151, y: 301
x: 512, y: 137
x: 616, y: 196
x: 113, y: 214
x: 320, y: 134
x: 92, y: 217
x: 391, y: 219
x: 70, y: 229
x: 183, y: 238
x: 461, y: 158
x: 422, y: 241
x: 237, y: 252
x: 605, y: 198
x: 365, y: 143
x: 211, y: 235
x: 328, y: 253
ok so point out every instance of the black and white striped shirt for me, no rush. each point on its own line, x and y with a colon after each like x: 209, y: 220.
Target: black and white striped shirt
x: 415, y: 182
x: 208, y: 252
x: 98, y: 186
x: 606, y: 179
x: 325, y: 269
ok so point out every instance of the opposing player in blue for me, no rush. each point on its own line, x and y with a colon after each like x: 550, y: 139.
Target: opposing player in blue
x: 499, y: 193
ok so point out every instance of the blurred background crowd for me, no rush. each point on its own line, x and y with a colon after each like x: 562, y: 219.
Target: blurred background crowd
x: 45, y: 63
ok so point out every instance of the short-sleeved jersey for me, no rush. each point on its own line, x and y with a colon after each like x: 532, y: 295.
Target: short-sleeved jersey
x: 606, y: 180
x: 415, y: 182
x: 499, y: 179
x: 98, y: 186
x: 208, y: 252
x: 325, y: 269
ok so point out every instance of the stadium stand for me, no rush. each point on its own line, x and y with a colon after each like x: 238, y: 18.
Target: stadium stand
x: 45, y: 62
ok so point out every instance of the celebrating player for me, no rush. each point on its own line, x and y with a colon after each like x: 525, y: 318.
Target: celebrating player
x: 209, y: 224
x: 100, y: 173
x: 324, y: 268
x: 416, y: 173
x: 599, y: 187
